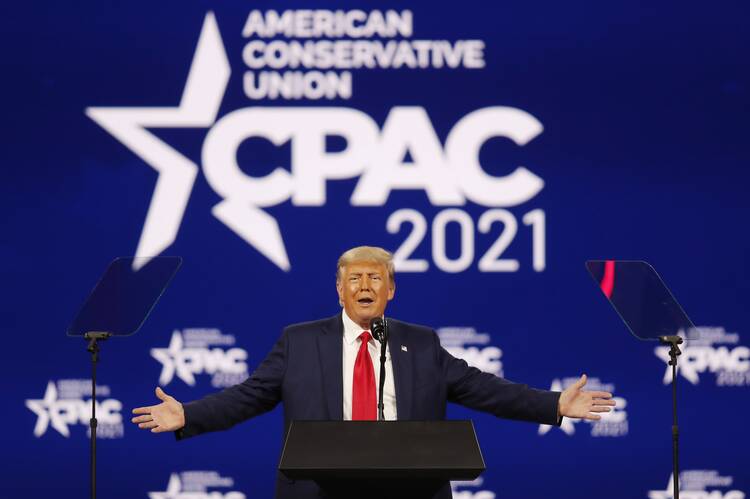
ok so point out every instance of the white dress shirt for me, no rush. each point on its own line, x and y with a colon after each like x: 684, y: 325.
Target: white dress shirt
x: 351, y: 348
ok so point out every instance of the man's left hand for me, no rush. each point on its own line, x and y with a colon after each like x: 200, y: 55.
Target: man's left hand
x: 578, y: 403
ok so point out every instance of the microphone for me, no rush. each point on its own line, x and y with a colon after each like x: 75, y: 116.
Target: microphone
x: 379, y: 330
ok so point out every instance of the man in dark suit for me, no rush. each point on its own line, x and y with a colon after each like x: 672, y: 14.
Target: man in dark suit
x: 324, y: 370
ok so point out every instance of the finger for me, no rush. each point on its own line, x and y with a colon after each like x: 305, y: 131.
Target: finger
x: 591, y: 417
x: 142, y: 419
x: 600, y: 395
x: 143, y: 410
x: 600, y: 409
x: 160, y: 393
x: 581, y: 382
x: 149, y: 425
x: 608, y: 402
x: 158, y: 429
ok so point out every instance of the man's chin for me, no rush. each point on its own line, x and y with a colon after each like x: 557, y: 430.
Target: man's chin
x: 366, y: 315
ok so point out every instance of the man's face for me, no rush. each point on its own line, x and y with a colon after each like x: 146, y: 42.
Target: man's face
x: 364, y: 288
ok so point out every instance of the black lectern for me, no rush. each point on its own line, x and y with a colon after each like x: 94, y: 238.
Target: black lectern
x: 381, y: 458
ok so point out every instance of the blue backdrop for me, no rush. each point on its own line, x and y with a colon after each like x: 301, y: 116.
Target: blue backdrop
x: 493, y: 147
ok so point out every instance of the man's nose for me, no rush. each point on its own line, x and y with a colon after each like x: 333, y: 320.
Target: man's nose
x: 364, y: 283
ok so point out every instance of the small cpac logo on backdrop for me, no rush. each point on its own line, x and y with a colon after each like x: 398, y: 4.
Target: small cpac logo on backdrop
x: 449, y: 174
x: 699, y: 484
x: 475, y: 348
x: 469, y: 490
x: 612, y: 424
x: 63, y: 405
x: 198, y: 351
x: 710, y: 349
x: 195, y: 485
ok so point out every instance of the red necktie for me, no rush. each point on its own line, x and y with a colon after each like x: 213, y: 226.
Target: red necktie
x: 364, y: 399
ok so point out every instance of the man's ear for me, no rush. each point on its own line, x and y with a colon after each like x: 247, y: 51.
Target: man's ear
x: 340, y: 291
x: 391, y: 290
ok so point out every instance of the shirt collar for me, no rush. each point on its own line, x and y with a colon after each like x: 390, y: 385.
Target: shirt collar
x: 352, y: 330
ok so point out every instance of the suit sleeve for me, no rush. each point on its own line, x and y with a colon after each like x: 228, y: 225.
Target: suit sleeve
x: 260, y: 393
x: 486, y: 392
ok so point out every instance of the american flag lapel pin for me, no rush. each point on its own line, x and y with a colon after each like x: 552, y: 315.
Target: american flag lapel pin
x: 404, y: 349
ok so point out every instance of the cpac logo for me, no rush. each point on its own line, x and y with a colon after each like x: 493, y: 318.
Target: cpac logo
x: 694, y: 485
x: 611, y: 424
x: 487, y: 358
x: 175, y: 490
x: 188, y: 355
x: 700, y: 354
x: 450, y: 175
x: 470, y: 494
x: 63, y: 412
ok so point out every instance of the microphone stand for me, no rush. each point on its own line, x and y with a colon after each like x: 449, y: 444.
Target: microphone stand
x: 674, y: 351
x: 379, y: 328
x: 383, y: 344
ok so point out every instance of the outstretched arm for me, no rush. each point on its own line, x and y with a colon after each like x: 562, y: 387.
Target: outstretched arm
x: 486, y: 392
x: 473, y: 388
x: 259, y: 393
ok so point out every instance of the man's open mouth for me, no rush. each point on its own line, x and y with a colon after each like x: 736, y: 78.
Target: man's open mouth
x: 365, y: 301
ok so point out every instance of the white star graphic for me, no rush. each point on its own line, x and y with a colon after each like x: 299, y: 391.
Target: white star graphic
x: 45, y: 410
x: 663, y: 494
x: 199, y: 106
x: 41, y: 409
x: 174, y: 487
x: 171, y: 360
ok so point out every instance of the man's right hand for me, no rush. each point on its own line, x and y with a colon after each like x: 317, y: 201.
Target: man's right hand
x: 167, y: 416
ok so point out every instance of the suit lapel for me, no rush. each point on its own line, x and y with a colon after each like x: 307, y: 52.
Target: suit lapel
x: 330, y: 349
x: 398, y: 344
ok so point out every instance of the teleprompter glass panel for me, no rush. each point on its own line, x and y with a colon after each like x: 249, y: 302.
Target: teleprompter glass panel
x: 640, y: 297
x: 125, y: 295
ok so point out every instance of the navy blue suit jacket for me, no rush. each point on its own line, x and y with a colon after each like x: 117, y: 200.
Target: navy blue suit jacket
x: 304, y: 371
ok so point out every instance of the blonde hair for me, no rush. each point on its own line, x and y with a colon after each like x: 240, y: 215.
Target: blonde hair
x: 367, y: 254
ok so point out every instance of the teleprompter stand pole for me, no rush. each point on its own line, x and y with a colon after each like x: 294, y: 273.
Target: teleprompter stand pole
x: 93, y: 347
x: 674, y: 351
